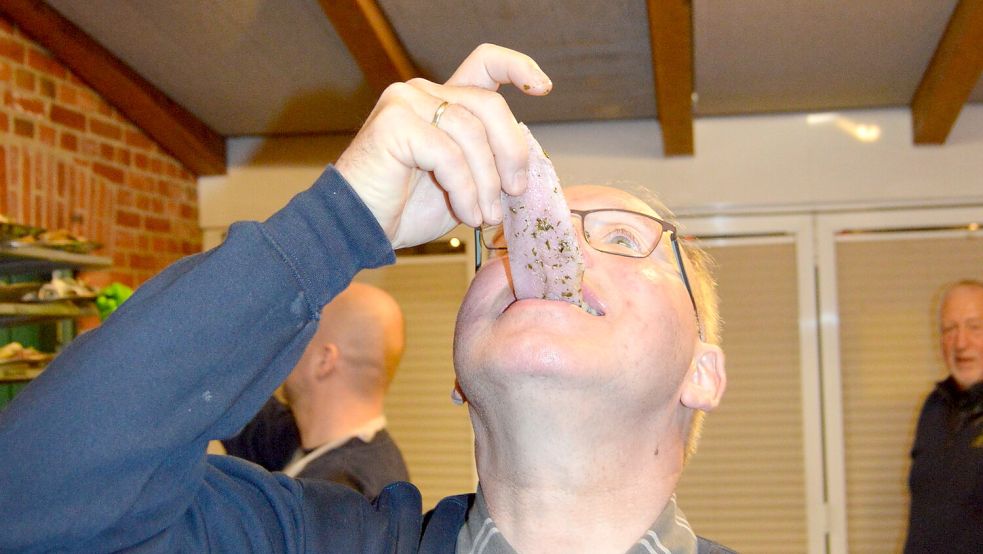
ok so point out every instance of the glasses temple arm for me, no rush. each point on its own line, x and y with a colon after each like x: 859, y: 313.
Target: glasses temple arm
x: 689, y: 289
x: 477, y: 249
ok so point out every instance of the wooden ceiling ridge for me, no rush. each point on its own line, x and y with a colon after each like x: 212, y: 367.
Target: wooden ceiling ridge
x: 671, y: 35
x: 371, y: 40
x: 176, y: 130
x: 951, y: 75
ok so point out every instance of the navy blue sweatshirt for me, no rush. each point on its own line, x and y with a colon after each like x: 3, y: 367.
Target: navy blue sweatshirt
x: 105, y: 451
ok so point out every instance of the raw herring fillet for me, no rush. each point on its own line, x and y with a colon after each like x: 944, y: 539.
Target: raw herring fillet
x: 544, y: 253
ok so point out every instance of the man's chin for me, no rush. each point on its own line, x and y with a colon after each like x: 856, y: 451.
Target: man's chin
x: 968, y: 375
x: 535, y: 359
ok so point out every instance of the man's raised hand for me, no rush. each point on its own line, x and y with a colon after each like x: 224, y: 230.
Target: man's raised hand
x: 420, y: 180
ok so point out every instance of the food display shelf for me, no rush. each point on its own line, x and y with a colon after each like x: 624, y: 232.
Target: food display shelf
x: 14, y: 292
x: 21, y: 260
x: 38, y: 263
x: 12, y: 313
x: 19, y: 372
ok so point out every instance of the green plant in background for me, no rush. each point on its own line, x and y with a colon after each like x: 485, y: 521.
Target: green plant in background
x: 110, y: 298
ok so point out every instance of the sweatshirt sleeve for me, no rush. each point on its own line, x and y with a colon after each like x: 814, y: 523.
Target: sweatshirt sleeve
x: 106, y: 449
x: 269, y: 440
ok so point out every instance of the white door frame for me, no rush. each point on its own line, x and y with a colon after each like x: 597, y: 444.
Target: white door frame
x: 797, y: 229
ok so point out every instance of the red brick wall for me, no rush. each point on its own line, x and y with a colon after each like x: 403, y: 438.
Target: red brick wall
x: 69, y: 160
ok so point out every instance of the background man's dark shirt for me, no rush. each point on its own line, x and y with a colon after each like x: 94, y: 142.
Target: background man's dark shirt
x: 271, y: 440
x: 946, y: 478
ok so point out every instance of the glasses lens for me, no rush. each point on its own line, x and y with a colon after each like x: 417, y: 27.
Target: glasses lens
x: 622, y: 232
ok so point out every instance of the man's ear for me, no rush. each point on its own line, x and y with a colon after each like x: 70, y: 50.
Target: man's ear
x: 326, y: 360
x: 707, y: 379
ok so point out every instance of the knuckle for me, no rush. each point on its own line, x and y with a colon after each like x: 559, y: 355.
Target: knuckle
x: 492, y: 103
x: 485, y: 48
x: 465, y: 122
x: 393, y: 92
x: 497, y: 100
x: 451, y: 155
x: 418, y: 82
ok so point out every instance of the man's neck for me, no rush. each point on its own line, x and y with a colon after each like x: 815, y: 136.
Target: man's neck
x: 323, y: 422
x: 556, y: 484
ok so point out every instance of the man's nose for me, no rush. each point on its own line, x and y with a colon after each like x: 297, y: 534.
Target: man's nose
x: 962, y: 337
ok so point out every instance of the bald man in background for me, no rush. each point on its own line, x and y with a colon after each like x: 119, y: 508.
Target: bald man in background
x: 333, y: 426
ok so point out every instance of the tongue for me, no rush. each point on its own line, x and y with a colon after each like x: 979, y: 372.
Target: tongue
x: 544, y: 253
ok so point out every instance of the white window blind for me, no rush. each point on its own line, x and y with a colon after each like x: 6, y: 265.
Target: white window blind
x: 746, y: 485
x: 434, y: 435
x: 889, y: 363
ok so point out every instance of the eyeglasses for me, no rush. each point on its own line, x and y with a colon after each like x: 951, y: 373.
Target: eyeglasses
x: 612, y: 231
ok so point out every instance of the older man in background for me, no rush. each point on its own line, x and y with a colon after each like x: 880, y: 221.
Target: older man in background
x: 946, y: 478
x: 333, y: 426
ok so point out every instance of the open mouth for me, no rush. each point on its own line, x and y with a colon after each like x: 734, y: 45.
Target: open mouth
x: 590, y: 304
x: 591, y: 310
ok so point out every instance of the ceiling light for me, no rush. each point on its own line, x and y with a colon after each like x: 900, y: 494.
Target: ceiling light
x: 867, y: 133
x: 820, y: 118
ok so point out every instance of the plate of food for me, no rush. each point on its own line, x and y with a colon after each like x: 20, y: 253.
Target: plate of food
x: 17, y: 353
x: 64, y: 288
x: 59, y: 239
x: 10, y: 230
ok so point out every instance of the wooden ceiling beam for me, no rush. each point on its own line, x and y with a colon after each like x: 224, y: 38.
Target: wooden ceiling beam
x: 373, y: 43
x: 671, y: 36
x: 951, y: 75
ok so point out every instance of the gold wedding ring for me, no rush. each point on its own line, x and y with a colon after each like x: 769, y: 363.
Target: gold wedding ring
x: 438, y: 113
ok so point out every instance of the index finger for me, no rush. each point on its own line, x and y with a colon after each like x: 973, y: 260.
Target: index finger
x: 489, y: 66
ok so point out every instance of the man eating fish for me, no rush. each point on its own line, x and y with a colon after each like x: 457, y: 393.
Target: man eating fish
x: 586, y: 357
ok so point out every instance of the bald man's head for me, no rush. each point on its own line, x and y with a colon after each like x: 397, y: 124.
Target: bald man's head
x: 355, y: 350
x: 366, y: 324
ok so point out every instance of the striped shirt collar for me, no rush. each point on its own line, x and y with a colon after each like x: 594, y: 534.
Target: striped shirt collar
x: 670, y: 534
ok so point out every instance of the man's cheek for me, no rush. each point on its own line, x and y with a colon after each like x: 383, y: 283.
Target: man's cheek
x: 494, y: 269
x: 464, y: 327
x: 664, y: 281
x: 657, y: 274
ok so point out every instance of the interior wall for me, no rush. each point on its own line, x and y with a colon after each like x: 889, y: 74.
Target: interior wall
x: 757, y: 163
